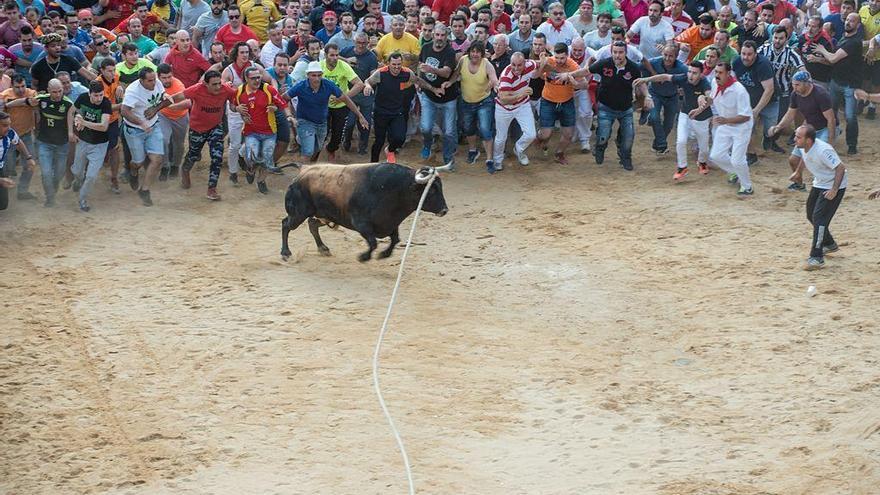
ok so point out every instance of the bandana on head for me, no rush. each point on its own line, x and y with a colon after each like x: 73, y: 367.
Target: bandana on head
x: 802, y: 76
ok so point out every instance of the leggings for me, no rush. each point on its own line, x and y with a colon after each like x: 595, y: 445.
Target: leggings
x: 197, y: 141
x: 392, y: 126
x: 820, y: 211
x: 336, y: 120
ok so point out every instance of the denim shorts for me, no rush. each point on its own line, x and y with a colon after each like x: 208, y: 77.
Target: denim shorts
x: 311, y: 136
x: 282, y: 125
x: 550, y: 112
x: 478, y: 117
x: 113, y: 135
x: 141, y: 143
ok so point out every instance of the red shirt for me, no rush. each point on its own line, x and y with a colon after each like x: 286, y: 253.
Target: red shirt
x: 502, y: 19
x: 229, y: 39
x: 782, y: 11
x: 207, y: 109
x: 679, y: 24
x: 445, y: 8
x: 151, y: 19
x: 188, y: 67
x: 257, y: 103
x: 125, y: 9
x: 632, y: 12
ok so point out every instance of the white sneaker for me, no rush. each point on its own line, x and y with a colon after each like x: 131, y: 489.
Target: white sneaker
x: 498, y: 166
x: 585, y: 148
x: 523, y: 159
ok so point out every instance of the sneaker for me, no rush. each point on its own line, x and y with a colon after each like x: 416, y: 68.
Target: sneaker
x: 643, y: 118
x: 490, y: 166
x: 451, y: 165
x: 390, y: 157
x: 426, y: 152
x: 25, y: 196
x: 233, y: 177
x: 851, y: 150
x: 76, y: 184
x: 704, y: 168
x: 585, y: 148
x: 831, y: 248
x: 346, y: 145
x: 628, y: 166
x: 185, y: 180
x: 544, y: 149
x: 114, y: 185
x: 49, y: 203
x: 775, y: 147
x: 174, y: 172
x: 84, y: 206
x: 661, y: 152
x: 679, y: 174
x: 872, y: 113
x: 472, y: 156
x: 751, y: 158
x: 212, y: 194
x: 732, y: 179
x: 745, y: 192
x: 66, y: 184
x: 795, y: 186
x: 124, y: 176
x: 261, y: 186
x: 521, y: 158
x: 559, y: 157
x: 163, y: 175
x: 145, y: 198
x: 133, y: 182
x: 499, y: 167
x: 599, y: 155
x: 814, y: 263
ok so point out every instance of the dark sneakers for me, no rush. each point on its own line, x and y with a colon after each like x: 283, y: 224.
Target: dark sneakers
x: 599, y: 155
x: 831, y: 248
x: 26, y: 196
x: 233, y: 177
x: 751, y: 158
x: 262, y: 187
x: 797, y: 186
x: 133, y: 182
x: 145, y: 198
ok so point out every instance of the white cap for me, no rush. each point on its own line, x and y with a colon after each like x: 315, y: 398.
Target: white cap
x: 315, y: 67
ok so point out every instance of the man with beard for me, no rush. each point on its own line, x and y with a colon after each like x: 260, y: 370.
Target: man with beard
x: 601, y: 36
x: 345, y: 37
x: 665, y: 96
x: 437, y: 64
x: 399, y: 41
x: 207, y: 25
x: 140, y: 110
x: 24, y: 123
x: 364, y: 63
x: 807, y: 43
x: 785, y: 62
x: 114, y: 92
x: 174, y: 122
x: 26, y: 53
x: 521, y: 38
x: 754, y: 72
x: 313, y: 54
x: 235, y: 31
x: 652, y: 31
x: 54, y: 62
x: 749, y: 30
x: 340, y: 73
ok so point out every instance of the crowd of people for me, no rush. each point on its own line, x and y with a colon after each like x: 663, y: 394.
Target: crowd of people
x: 88, y: 85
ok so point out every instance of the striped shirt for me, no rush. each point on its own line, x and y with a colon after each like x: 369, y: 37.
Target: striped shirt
x: 785, y: 63
x: 513, y: 83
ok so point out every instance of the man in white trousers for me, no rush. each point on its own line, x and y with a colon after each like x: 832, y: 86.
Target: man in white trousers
x: 732, y: 123
x: 512, y: 103
x: 692, y: 120
x: 583, y: 106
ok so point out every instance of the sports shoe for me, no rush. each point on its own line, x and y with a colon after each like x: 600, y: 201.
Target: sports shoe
x: 145, y: 198
x: 25, y: 196
x: 185, y: 180
x: 49, y: 203
x: 751, y: 158
x: 745, y: 192
x: 643, y: 118
x: 585, y: 148
x: 472, y: 156
x: 490, y: 166
x: 76, y: 184
x: 124, y: 175
x: 133, y: 182
x: 599, y: 155
x: 680, y: 173
x: 775, y: 147
x: 426, y: 152
x: 732, y: 179
x: 628, y: 166
x: 831, y: 248
x: 851, y: 150
x: 174, y: 172
x: 814, y: 263
x: 499, y: 167
x: 795, y: 186
x: 390, y: 157
x: 84, y: 206
x: 451, y: 165
x: 703, y: 168
x: 559, y: 157
x: 233, y: 177
x: 114, y: 185
x: 212, y: 194
x: 261, y: 186
x: 661, y: 152
x: 346, y: 145
x: 163, y: 175
x: 872, y: 113
x: 521, y: 158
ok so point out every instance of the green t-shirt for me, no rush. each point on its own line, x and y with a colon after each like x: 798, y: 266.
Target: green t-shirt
x: 53, y: 119
x: 341, y: 75
x: 607, y: 7
x: 129, y: 75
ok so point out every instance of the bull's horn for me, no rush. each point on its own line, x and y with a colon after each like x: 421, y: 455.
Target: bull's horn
x: 444, y: 168
x: 422, y: 176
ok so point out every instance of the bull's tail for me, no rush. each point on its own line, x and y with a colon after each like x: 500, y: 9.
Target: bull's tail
x: 291, y: 164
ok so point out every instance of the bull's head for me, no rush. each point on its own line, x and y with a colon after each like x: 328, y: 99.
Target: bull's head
x: 434, y: 202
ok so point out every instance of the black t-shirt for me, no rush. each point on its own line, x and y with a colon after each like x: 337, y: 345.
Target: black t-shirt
x: 92, y: 113
x: 812, y: 106
x: 819, y: 72
x: 751, y: 77
x: 501, y: 62
x: 438, y: 60
x: 692, y: 93
x: 43, y: 71
x: 742, y: 36
x: 394, y: 93
x: 53, y: 119
x: 616, y: 84
x: 848, y: 71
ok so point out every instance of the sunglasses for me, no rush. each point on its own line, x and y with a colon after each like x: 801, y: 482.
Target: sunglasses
x: 255, y: 78
x: 100, y: 43
x: 234, y: 16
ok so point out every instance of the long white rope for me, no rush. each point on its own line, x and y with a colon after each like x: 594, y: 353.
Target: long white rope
x: 412, y: 487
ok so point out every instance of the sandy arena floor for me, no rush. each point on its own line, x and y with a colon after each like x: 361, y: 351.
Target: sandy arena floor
x: 564, y: 330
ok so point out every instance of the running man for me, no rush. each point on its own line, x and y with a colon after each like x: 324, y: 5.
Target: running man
x: 92, y: 121
x: 7, y: 141
x: 261, y: 100
x: 140, y: 114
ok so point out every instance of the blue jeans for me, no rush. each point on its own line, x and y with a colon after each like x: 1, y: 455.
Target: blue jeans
x: 448, y: 117
x: 769, y: 117
x: 626, y: 134
x: 53, y: 164
x: 478, y: 116
x: 259, y: 148
x: 847, y: 94
x: 663, y: 126
x: 311, y: 136
x: 13, y: 158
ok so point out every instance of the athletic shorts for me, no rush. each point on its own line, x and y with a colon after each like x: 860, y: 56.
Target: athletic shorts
x: 113, y: 135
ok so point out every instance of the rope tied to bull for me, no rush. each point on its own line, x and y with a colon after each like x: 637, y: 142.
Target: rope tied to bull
x: 429, y: 176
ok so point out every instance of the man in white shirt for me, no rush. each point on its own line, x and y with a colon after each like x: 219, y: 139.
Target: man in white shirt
x: 140, y: 113
x: 829, y: 185
x: 584, y: 22
x: 557, y: 29
x: 601, y: 37
x: 512, y: 103
x: 275, y: 45
x: 732, y: 124
x: 654, y: 31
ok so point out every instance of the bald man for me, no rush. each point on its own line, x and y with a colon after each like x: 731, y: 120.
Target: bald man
x: 187, y: 63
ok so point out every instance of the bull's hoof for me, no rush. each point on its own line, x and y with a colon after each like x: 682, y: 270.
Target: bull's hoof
x: 325, y: 251
x: 385, y: 254
x: 285, y: 254
x: 364, y: 257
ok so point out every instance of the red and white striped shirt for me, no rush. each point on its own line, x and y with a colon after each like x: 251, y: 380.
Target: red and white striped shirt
x: 513, y: 83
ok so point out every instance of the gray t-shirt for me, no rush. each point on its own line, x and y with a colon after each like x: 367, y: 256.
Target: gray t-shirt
x: 580, y: 26
x: 189, y: 13
x: 209, y: 25
x: 595, y: 41
x: 822, y: 161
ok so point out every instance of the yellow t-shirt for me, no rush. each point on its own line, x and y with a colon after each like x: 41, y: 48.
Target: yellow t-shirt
x: 406, y: 44
x: 258, y: 17
x: 474, y: 87
x: 341, y: 75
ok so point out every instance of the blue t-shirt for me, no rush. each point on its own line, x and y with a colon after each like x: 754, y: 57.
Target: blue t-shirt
x: 666, y: 88
x: 751, y: 77
x: 8, y: 141
x: 324, y: 36
x: 313, y: 105
x: 37, y: 53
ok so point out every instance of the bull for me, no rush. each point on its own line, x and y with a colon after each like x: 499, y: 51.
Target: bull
x: 371, y: 199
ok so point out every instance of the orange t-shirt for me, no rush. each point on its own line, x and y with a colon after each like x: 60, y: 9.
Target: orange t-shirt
x: 692, y: 37
x: 554, y: 90
x: 110, y: 94
x: 23, y: 119
x: 176, y: 87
